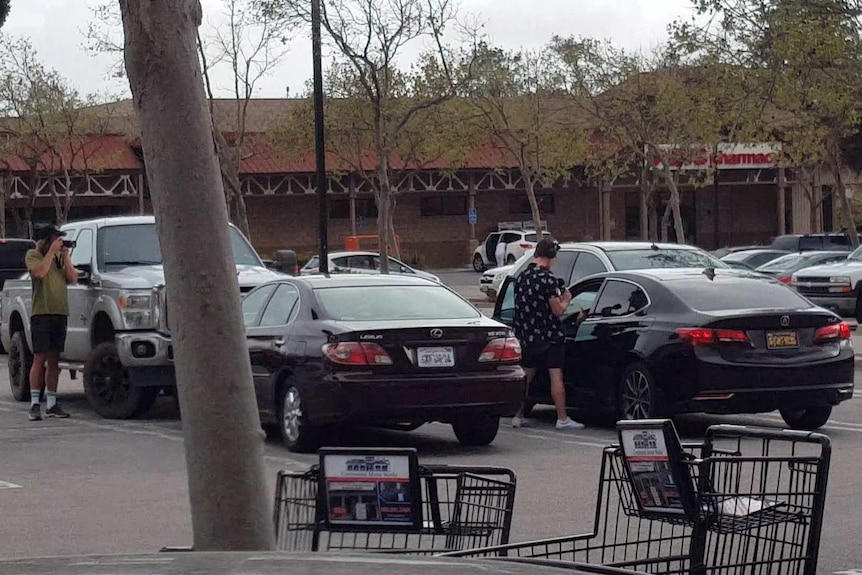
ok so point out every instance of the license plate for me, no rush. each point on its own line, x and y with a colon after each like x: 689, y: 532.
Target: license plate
x: 781, y: 339
x: 435, y: 356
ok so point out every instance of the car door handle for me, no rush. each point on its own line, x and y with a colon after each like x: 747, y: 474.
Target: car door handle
x: 279, y: 342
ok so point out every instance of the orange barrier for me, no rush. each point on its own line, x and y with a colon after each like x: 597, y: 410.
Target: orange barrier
x: 352, y: 243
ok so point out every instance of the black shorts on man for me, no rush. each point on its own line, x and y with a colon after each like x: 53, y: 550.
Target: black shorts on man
x: 543, y: 356
x: 48, y: 333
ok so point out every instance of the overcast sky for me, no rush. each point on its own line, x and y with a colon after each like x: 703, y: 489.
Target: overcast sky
x: 56, y: 28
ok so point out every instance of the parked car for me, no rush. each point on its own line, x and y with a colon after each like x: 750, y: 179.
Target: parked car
x: 836, y: 286
x: 119, y: 331
x: 784, y: 267
x: 721, y: 252
x: 12, y: 252
x: 577, y: 260
x: 662, y: 342
x: 517, y: 242
x: 754, y: 258
x: 362, y: 263
x: 384, y: 350
x: 812, y: 242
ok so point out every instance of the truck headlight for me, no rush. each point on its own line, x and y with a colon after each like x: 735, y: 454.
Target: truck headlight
x: 839, y: 280
x: 137, y: 309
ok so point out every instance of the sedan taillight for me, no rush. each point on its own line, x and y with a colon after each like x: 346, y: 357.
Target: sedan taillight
x: 501, y: 349
x: 785, y: 279
x: 353, y: 353
x: 833, y: 332
x: 705, y: 336
x: 525, y: 246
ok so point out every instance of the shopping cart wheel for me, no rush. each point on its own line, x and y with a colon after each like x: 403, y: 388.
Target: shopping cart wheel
x: 481, y: 430
x: 808, y: 418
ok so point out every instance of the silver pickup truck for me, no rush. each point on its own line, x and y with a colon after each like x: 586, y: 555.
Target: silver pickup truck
x: 119, y: 324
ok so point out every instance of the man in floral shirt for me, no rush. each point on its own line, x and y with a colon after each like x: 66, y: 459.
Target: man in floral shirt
x: 540, y: 298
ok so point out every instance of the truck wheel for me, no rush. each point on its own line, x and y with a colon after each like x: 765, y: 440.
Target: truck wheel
x: 806, y: 419
x: 478, y: 431
x: 107, y: 387
x: 20, y: 362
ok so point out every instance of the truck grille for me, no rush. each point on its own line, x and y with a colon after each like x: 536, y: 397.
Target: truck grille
x: 812, y: 280
x: 824, y: 290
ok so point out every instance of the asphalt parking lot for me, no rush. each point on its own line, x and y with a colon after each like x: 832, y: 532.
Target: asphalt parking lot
x: 85, y: 485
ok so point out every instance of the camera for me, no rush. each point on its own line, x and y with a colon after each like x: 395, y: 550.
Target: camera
x: 69, y: 244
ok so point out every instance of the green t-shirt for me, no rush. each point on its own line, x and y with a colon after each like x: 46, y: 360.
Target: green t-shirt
x: 49, y: 293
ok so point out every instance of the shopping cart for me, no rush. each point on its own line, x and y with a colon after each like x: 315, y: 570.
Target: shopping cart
x: 462, y: 508
x: 759, y: 501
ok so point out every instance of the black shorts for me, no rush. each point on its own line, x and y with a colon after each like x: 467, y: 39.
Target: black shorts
x: 544, y: 356
x: 48, y: 333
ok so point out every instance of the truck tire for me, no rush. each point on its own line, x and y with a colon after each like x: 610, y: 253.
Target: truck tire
x: 107, y: 386
x: 20, y: 362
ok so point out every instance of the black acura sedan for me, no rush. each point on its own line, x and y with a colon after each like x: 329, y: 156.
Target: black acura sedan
x: 378, y: 350
x: 661, y: 342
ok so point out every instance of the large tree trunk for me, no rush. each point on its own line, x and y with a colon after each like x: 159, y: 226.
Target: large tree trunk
x: 674, y: 203
x: 653, y: 218
x: 644, y: 204
x: 230, y: 505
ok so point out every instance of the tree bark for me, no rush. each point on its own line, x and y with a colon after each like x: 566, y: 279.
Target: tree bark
x: 674, y: 203
x: 384, y: 209
x: 229, y: 502
x: 530, y: 185
x: 644, y: 204
x: 846, y: 208
x: 653, y: 219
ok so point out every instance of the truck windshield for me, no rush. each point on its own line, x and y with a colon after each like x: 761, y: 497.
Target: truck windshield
x: 138, y: 244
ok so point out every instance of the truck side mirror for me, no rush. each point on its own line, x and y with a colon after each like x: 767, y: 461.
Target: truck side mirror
x: 85, y: 273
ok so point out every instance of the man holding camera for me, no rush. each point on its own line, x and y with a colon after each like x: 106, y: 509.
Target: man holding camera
x: 51, y: 271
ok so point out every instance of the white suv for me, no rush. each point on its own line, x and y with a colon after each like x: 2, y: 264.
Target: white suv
x: 517, y: 242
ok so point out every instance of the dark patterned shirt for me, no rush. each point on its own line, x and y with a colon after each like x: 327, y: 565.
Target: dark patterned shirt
x: 534, y: 321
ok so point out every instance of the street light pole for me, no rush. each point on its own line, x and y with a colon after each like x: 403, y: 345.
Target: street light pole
x: 319, y: 142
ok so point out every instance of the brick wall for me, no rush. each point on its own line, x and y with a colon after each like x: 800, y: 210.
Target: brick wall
x: 290, y: 222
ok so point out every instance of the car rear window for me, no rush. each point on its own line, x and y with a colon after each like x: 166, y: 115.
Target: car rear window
x: 662, y: 258
x: 729, y: 293
x: 532, y: 237
x: 392, y: 303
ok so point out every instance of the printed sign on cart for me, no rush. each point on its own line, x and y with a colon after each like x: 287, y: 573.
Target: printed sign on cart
x: 371, y: 489
x: 652, y: 476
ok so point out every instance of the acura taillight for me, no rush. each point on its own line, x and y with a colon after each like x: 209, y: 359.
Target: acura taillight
x: 837, y: 331
x: 501, y: 349
x: 353, y: 353
x: 705, y: 336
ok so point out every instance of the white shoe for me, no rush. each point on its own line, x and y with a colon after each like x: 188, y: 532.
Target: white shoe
x: 518, y: 422
x: 568, y: 423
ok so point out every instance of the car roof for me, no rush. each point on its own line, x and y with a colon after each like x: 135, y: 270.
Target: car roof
x: 609, y: 246
x: 353, y: 253
x: 114, y: 221
x: 360, y: 280
x: 666, y: 275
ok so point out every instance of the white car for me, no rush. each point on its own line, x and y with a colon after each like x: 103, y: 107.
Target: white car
x: 517, y: 242
x: 362, y: 263
x: 491, y: 280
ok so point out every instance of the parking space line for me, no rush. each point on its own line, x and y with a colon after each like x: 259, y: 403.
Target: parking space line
x: 8, y: 485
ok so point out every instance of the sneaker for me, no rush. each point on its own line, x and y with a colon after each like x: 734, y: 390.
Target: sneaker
x: 56, y: 411
x: 36, y: 412
x: 518, y: 422
x: 568, y: 423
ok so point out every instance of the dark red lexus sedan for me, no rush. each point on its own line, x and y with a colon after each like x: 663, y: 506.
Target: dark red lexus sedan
x: 377, y: 350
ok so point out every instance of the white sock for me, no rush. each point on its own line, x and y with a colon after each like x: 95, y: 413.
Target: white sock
x: 34, y: 397
x: 52, y: 398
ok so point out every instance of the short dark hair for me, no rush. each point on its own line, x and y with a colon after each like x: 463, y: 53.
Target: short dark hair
x: 546, y: 248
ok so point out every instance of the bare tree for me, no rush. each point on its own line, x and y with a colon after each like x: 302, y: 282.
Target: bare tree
x: 47, y: 127
x: 223, y: 438
x: 250, y: 45
x: 369, y: 37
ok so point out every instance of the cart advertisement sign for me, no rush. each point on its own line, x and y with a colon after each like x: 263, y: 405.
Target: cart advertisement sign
x: 371, y: 488
x: 653, y: 456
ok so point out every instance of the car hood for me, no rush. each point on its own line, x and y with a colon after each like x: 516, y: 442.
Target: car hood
x: 494, y: 272
x: 833, y: 269
x: 144, y: 277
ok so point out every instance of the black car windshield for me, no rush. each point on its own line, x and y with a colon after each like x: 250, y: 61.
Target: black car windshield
x: 730, y: 293
x: 392, y: 303
x: 641, y: 259
x: 138, y: 244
